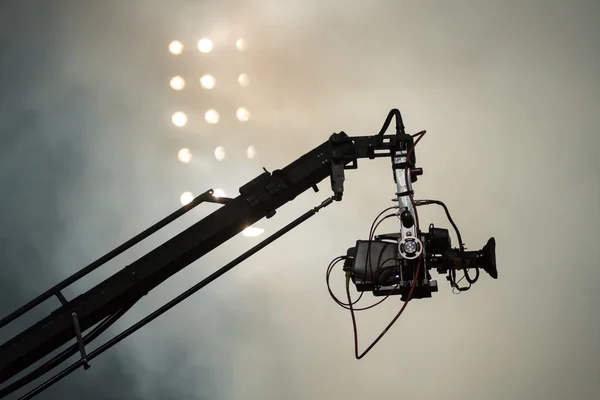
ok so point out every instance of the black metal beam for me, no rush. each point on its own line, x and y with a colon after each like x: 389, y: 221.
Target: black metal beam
x: 258, y: 199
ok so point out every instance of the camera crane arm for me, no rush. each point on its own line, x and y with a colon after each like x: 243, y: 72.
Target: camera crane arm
x: 259, y: 198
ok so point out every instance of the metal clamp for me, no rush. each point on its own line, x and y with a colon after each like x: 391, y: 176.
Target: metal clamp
x: 80, y: 342
x: 86, y: 365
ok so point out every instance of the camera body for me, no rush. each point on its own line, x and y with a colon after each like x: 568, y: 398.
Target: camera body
x: 380, y: 265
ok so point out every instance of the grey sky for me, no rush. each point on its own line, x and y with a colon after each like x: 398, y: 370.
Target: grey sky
x: 507, y: 90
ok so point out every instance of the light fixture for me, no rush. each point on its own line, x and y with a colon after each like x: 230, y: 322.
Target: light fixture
x: 186, y: 198
x: 219, y: 193
x: 243, y: 80
x: 184, y: 155
x: 179, y: 119
x: 208, y: 81
x: 220, y: 153
x: 176, y: 47
x: 177, y: 83
x: 242, y: 114
x: 241, y: 44
x: 205, y: 45
x: 253, y: 231
x: 211, y: 116
x: 251, y: 152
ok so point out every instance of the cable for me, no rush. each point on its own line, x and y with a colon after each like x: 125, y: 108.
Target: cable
x: 354, y: 327
x: 415, y: 277
x: 330, y: 267
x: 347, y: 305
x: 399, y: 123
x: 458, y: 290
x: 460, y: 242
x: 368, y: 262
x: 374, y: 226
x: 439, y: 203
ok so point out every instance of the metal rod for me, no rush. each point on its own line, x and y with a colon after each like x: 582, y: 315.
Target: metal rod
x: 206, y: 196
x: 61, y: 298
x: 84, y: 359
x: 178, y: 299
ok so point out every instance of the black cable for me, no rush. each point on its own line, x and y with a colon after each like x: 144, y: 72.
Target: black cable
x: 399, y: 122
x: 457, y: 287
x: 330, y: 267
x: 437, y: 202
x: 368, y: 264
x: 460, y: 242
x: 334, y: 262
x: 347, y: 305
x: 410, y: 293
x: 374, y: 225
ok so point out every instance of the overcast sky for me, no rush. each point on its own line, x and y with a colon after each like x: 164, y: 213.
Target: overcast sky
x: 509, y: 92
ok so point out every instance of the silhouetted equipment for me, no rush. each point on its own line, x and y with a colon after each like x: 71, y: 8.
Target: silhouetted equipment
x: 443, y: 258
x: 391, y: 264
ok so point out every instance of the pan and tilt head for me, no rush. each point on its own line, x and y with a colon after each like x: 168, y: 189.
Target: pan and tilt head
x: 399, y: 263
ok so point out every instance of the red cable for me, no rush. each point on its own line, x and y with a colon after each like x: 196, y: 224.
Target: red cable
x: 359, y: 356
x: 414, y: 283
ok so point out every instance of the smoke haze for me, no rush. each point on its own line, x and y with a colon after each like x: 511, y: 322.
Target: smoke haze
x: 507, y: 90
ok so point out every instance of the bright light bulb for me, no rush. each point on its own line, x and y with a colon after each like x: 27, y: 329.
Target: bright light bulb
x: 241, y: 44
x: 242, y: 114
x: 205, y: 45
x: 179, y: 119
x: 176, y: 47
x: 251, y: 152
x: 219, y: 193
x: 253, y: 231
x: 243, y: 80
x: 186, y: 198
x: 177, y: 83
x: 184, y: 155
x: 211, y: 116
x: 220, y: 153
x: 208, y: 82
